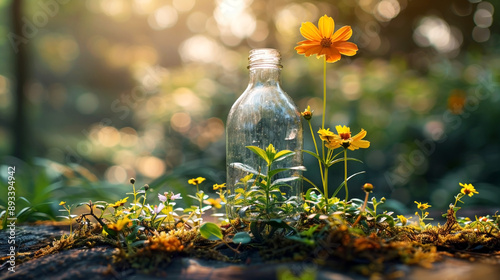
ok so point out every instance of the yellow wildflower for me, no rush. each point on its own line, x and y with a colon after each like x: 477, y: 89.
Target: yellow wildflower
x: 118, y: 226
x: 119, y: 203
x: 219, y: 186
x: 322, y: 41
x: 468, y: 189
x: 422, y: 206
x: 348, y: 142
x: 196, y: 181
x: 62, y: 203
x: 328, y: 136
x: 403, y: 219
x: 214, y: 202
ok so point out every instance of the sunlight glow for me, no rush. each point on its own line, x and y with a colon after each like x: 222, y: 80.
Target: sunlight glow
x: 163, y: 18
x: 435, y: 32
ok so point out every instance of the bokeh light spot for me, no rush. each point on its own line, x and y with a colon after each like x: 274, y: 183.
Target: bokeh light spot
x: 87, y: 103
x: 180, y: 122
x: 163, y: 17
x: 150, y: 166
x: 108, y: 136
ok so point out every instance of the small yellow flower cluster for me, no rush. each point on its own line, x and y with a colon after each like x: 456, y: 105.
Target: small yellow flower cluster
x: 165, y: 242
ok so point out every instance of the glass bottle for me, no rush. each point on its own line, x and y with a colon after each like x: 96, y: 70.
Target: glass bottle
x: 264, y: 114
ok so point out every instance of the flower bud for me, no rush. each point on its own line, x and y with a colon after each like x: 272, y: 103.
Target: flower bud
x: 132, y: 181
x: 307, y: 114
x: 368, y: 187
x: 146, y: 187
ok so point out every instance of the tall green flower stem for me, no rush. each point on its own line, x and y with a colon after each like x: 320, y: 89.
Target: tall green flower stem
x: 323, y: 178
x: 345, y: 176
x: 324, y: 94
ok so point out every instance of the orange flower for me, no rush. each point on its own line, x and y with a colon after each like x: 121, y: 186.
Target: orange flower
x: 322, y: 41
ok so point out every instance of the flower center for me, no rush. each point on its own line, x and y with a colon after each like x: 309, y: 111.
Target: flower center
x: 345, y: 135
x: 326, y: 42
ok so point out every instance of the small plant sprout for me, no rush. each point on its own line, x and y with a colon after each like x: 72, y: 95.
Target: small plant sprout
x: 467, y: 189
x: 168, y: 204
x: 200, y: 196
x: 223, y: 192
x: 422, y: 217
x: 367, y: 188
x: 67, y: 208
x: 213, y: 232
x: 261, y: 197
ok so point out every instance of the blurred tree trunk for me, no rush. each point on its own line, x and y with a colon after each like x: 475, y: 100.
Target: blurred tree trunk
x: 19, y: 124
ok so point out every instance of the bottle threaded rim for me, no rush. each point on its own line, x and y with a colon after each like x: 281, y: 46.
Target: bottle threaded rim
x: 264, y: 58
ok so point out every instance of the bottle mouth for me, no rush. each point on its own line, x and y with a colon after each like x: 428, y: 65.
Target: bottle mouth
x: 264, y: 58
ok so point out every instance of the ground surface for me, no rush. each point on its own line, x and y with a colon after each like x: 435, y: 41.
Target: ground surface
x: 96, y: 263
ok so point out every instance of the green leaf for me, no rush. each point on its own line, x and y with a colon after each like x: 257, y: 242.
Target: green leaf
x: 314, y: 155
x: 343, y: 183
x: 282, y: 181
x: 281, y: 155
x: 260, y: 152
x: 211, y: 231
x: 342, y: 159
x: 276, y: 171
x: 244, y: 167
x: 242, y: 238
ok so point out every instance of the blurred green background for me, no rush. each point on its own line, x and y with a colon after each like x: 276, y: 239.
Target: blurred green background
x: 94, y: 92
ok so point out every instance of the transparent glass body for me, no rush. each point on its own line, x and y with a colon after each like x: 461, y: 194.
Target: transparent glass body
x: 264, y: 114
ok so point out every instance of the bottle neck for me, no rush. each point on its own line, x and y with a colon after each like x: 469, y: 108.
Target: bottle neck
x: 265, y: 76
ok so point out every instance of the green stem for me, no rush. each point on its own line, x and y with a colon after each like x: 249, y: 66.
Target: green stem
x: 135, y: 198
x: 316, y: 148
x: 324, y: 93
x: 345, y: 175
x: 200, y: 199
x: 325, y: 189
x: 268, y: 183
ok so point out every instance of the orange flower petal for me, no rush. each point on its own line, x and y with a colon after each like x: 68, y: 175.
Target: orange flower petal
x: 333, y: 57
x: 326, y: 26
x: 346, y: 48
x: 310, y: 31
x: 314, y: 50
x: 343, y: 34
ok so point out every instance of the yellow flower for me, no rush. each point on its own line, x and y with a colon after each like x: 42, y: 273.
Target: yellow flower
x: 323, y: 42
x: 119, y: 203
x: 307, y: 114
x: 245, y: 179
x: 327, y: 136
x: 403, y: 219
x: 196, y: 181
x: 118, y: 226
x: 468, y: 189
x: 214, y: 202
x: 351, y: 143
x: 221, y: 186
x: 62, y: 203
x: 422, y: 206
x: 343, y: 138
